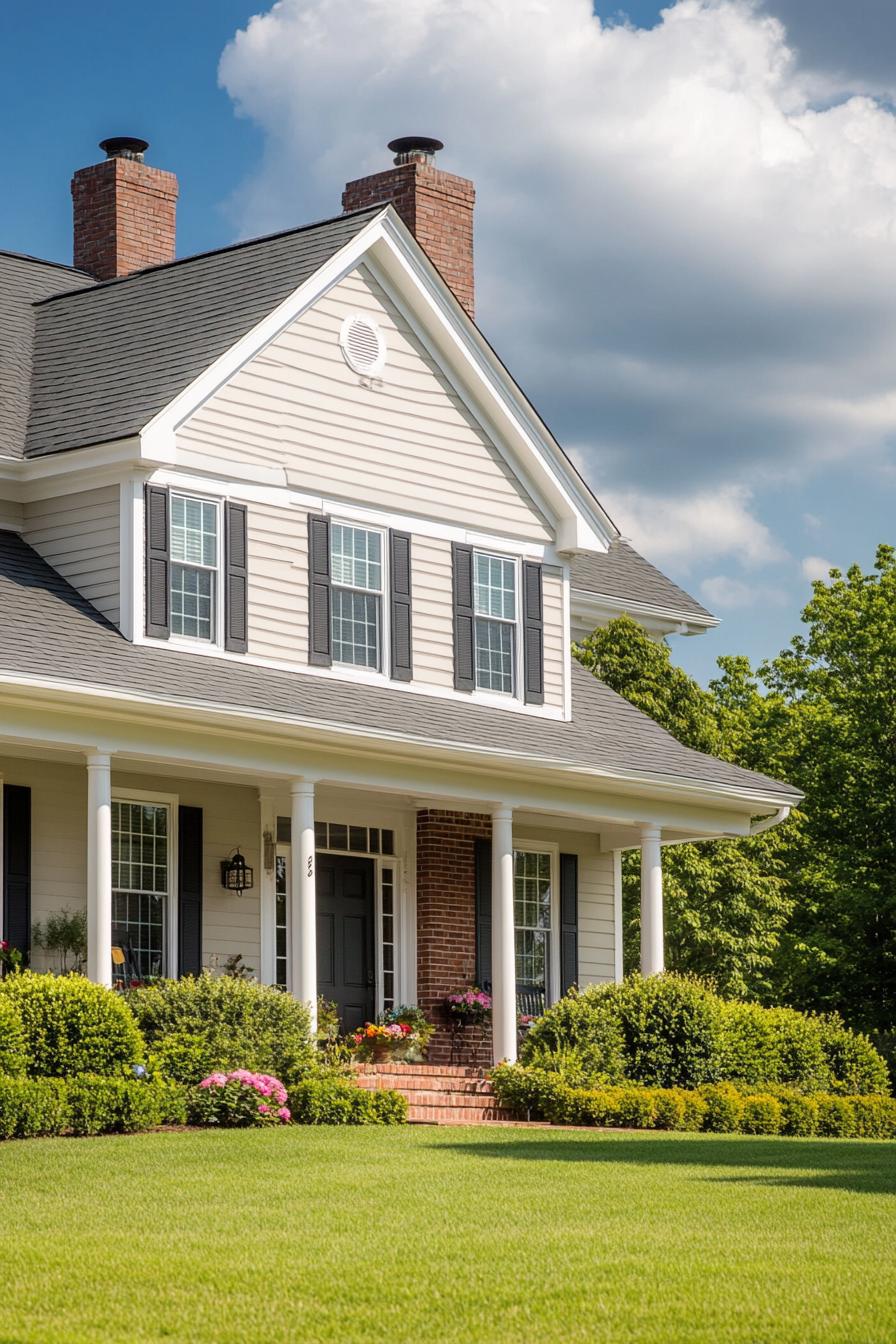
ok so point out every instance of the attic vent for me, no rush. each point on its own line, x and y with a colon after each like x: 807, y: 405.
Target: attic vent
x: 362, y: 344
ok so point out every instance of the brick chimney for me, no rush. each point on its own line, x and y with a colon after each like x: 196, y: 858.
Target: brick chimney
x: 124, y: 212
x: 437, y: 208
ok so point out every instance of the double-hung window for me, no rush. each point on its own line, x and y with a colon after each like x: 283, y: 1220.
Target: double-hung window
x: 141, y: 874
x: 533, y: 920
x: 356, y: 568
x: 495, y: 621
x: 195, y: 562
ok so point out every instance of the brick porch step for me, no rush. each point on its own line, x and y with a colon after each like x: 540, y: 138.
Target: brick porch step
x: 437, y: 1094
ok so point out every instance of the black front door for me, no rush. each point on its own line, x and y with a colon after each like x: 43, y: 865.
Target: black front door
x: 345, y: 917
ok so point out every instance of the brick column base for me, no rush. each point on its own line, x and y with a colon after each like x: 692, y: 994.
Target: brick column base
x: 446, y: 925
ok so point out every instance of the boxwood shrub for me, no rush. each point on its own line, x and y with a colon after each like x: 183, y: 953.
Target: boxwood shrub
x: 202, y: 1024
x: 334, y: 1100
x: 86, y: 1104
x: 72, y: 1026
x: 13, y: 1049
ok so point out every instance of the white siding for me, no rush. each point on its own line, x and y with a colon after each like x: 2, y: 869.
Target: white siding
x: 230, y: 814
x: 403, y: 441
x: 556, y: 645
x: 431, y: 613
x: 79, y: 536
x: 278, y: 583
x: 11, y: 516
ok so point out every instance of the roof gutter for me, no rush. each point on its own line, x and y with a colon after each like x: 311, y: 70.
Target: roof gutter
x: 766, y: 823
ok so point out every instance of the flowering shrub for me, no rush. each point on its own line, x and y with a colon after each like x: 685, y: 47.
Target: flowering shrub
x: 469, y: 1005
x: 239, y: 1099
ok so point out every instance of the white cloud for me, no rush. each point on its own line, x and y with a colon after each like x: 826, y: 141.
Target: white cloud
x: 815, y: 567
x: 687, y: 263
x: 720, y: 591
x: 702, y: 527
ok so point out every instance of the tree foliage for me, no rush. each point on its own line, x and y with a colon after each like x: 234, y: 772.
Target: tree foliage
x: 804, y: 913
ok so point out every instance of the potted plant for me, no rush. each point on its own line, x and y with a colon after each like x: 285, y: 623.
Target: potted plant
x: 401, y: 1033
x: 468, y: 1007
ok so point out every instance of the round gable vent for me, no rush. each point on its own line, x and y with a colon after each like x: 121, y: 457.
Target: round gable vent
x: 362, y: 344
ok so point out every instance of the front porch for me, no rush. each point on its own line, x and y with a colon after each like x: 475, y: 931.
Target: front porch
x: 368, y: 897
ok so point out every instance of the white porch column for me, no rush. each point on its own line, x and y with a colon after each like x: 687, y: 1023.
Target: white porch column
x: 99, y: 868
x: 652, y: 960
x: 503, y: 940
x: 302, y: 904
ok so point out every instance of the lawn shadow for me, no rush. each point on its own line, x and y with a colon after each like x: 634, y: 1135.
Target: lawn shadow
x: 827, y: 1164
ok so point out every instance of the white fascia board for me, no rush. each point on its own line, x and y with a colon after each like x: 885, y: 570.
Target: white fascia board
x: 30, y: 478
x: 514, y: 425
x: 224, y: 717
x: 592, y: 609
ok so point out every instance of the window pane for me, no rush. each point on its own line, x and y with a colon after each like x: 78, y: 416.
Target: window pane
x: 191, y: 602
x: 356, y: 557
x: 338, y: 836
x: 194, y: 531
x: 532, y: 958
x: 140, y: 884
x: 494, y: 656
x: 356, y: 619
x: 494, y: 587
x: 280, y: 921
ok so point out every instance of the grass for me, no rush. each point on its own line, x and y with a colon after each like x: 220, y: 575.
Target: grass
x: 447, y: 1235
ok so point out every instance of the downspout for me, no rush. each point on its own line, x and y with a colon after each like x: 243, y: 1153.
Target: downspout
x: 783, y: 812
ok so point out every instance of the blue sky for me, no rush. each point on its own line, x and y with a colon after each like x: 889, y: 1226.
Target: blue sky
x: 711, y: 329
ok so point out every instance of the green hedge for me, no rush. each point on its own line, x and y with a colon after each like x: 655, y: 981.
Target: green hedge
x: 72, y: 1026
x: 673, y: 1031
x: 720, y: 1108
x: 31, y: 1107
x: 13, y: 1047
x: 203, y: 1024
x: 336, y: 1100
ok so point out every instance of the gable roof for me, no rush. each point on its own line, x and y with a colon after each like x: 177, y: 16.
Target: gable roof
x: 51, y: 632
x: 24, y: 281
x: 623, y: 573
x: 109, y: 358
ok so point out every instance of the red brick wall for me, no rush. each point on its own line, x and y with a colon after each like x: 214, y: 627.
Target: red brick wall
x: 124, y: 217
x: 437, y: 208
x: 446, y: 923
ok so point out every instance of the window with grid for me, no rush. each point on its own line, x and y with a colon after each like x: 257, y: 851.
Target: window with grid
x: 532, y: 900
x: 280, y: 922
x: 494, y: 607
x: 356, y: 570
x: 140, y: 876
x: 194, y: 566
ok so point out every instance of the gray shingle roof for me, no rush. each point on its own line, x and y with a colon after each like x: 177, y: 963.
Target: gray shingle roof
x: 50, y: 630
x: 108, y: 358
x: 625, y: 574
x: 23, y: 282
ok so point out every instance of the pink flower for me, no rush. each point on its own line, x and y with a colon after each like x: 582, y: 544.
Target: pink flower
x: 263, y: 1108
x: 284, y: 1114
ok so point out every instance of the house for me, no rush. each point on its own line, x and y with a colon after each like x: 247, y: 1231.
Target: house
x: 289, y: 573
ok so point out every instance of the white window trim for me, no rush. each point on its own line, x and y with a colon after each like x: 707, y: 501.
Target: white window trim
x: 194, y: 642
x: 517, y: 668
x: 171, y: 801
x: 523, y: 846
x: 381, y: 673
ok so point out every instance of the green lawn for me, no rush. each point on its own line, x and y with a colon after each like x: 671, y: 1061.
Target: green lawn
x: 431, y: 1235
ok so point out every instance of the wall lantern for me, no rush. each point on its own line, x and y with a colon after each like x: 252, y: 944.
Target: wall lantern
x: 236, y: 875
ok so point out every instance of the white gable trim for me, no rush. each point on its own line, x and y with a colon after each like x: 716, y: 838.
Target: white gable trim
x: 457, y: 345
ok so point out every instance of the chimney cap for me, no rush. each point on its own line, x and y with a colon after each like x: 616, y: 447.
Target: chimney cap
x: 124, y: 147
x: 407, y: 148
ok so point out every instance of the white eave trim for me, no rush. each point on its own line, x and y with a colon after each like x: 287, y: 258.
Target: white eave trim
x: 604, y: 606
x: 222, y: 715
x: 581, y: 522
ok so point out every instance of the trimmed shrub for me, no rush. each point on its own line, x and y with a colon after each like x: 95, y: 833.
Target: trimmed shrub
x: 333, y: 1100
x: 836, y: 1117
x: 799, y: 1115
x: 668, y: 1109
x: 875, y: 1117
x: 724, y: 1108
x: 72, y: 1026
x: 13, y: 1049
x: 122, y: 1105
x: 761, y: 1115
x: 854, y: 1065
x: 206, y: 1024
x: 579, y: 1038
x: 32, y: 1107
x: 528, y: 1092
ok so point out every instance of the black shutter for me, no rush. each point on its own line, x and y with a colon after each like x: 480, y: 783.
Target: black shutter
x: 483, y: 867
x: 236, y: 579
x: 402, y: 661
x: 189, y: 890
x: 319, y: 648
x: 533, y: 634
x: 158, y: 561
x: 462, y: 570
x: 17, y: 866
x: 569, y: 921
